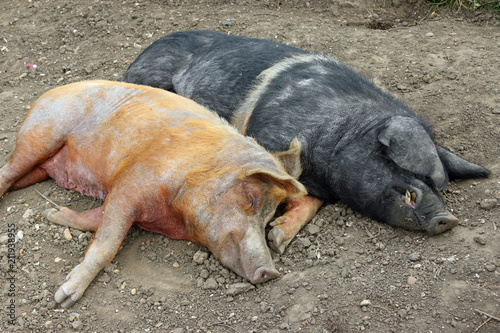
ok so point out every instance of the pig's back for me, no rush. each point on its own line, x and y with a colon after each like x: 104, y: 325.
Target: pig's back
x: 113, y: 128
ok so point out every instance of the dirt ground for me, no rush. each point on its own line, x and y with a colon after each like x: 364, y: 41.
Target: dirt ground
x: 344, y: 272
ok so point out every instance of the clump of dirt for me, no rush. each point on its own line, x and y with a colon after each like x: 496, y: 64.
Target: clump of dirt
x: 344, y: 272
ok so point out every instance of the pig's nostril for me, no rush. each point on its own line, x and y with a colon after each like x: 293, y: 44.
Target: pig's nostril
x: 263, y: 274
x: 442, y: 222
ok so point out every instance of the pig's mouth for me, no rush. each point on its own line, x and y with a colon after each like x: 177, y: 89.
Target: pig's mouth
x: 410, y: 198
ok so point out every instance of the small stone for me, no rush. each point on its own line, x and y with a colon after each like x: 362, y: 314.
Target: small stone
x: 380, y: 245
x: 200, y: 257
x: 305, y: 241
x: 77, y: 325
x: 414, y: 256
x: 204, y: 273
x: 104, y: 278
x: 490, y: 267
x: 227, y: 22
x: 28, y: 214
x: 411, y: 280
x: 429, y: 34
x: 365, y: 302
x: 133, y: 291
x: 312, y: 229
x: 67, y: 234
x: 4, y: 239
x: 57, y: 259
x: 488, y: 204
x: 238, y: 288
x: 210, y: 283
x: 480, y: 240
x: 176, y: 265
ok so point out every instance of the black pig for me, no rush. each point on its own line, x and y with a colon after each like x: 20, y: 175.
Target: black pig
x: 359, y: 144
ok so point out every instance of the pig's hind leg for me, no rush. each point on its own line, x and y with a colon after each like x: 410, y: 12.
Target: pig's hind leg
x: 115, y: 223
x: 298, y: 212
x: 34, y: 145
x: 85, y: 221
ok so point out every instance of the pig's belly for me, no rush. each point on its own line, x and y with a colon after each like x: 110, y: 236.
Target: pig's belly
x: 170, y: 227
x: 74, y: 175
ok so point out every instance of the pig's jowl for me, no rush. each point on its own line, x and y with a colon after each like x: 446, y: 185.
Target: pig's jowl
x: 158, y: 160
x: 359, y: 144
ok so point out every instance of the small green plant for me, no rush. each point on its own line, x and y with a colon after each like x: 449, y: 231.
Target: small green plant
x: 483, y: 5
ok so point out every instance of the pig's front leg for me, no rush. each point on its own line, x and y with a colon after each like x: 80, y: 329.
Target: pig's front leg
x: 297, y: 213
x: 108, y: 237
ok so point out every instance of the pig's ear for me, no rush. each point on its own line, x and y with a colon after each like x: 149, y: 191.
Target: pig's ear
x: 291, y: 185
x: 290, y: 159
x: 459, y: 168
x: 409, y: 145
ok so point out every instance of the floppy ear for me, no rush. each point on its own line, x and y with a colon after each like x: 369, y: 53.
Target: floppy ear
x: 459, y: 168
x: 411, y: 148
x: 290, y: 159
x: 275, y: 176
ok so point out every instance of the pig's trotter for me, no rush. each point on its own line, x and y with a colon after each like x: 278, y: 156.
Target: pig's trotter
x: 278, y: 240
x: 73, y: 287
x: 298, y: 213
x: 51, y: 214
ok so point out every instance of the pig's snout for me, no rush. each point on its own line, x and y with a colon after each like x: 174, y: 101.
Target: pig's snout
x: 442, y: 222
x: 263, y: 274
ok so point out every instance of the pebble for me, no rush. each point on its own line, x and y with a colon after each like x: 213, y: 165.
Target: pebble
x: 414, y: 256
x: 200, y: 257
x: 488, y: 204
x: 411, y: 280
x: 104, y: 278
x: 429, y: 34
x: 67, y: 234
x: 365, y: 302
x: 77, y: 325
x: 480, y: 240
x: 238, y: 288
x: 210, y: 283
x: 305, y: 241
x: 28, y: 214
x: 490, y: 267
x: 227, y: 23
x: 4, y: 239
x: 57, y: 259
x: 133, y: 291
x: 312, y: 229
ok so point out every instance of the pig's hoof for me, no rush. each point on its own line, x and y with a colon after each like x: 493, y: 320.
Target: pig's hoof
x: 55, y: 215
x: 68, y: 294
x: 277, y: 240
x: 278, y: 221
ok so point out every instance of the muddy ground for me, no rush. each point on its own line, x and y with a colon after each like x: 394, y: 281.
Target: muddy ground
x: 445, y: 66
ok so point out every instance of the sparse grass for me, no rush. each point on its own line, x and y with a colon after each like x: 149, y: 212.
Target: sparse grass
x: 482, y: 5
